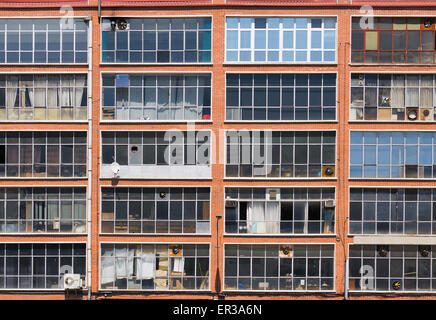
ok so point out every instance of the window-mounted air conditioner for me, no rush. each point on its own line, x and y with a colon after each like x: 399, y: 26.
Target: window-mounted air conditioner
x: 119, y: 24
x: 272, y: 194
x: 329, y: 204
x: 72, y: 281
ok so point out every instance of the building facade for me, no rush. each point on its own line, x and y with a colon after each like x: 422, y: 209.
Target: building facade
x: 218, y: 149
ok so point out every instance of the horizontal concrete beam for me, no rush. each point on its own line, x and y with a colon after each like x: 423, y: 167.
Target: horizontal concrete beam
x: 413, y: 240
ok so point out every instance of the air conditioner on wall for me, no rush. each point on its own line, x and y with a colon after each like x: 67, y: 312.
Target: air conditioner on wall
x: 72, y: 281
x: 272, y: 194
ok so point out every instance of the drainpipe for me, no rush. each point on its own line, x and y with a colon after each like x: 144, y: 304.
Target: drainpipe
x: 89, y: 189
x: 346, y: 280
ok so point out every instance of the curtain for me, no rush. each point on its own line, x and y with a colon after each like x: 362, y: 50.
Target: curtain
x: 412, y: 97
x: 39, y: 99
x: 39, y: 210
x: 52, y: 210
x: 397, y: 97
x: 120, y: 264
x: 426, y: 97
x: 107, y: 267
x: 178, y: 264
x: 80, y: 88
x: 272, y: 216
x: 67, y: 97
x: 11, y: 97
x: 256, y: 217
x: 53, y: 97
x: 146, y: 264
x: 130, y: 262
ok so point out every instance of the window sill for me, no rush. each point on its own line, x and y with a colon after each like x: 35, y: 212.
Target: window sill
x: 288, y: 235
x: 391, y: 65
x: 393, y: 121
x: 265, y: 63
x: 279, y: 121
x: 156, y: 121
x: 158, y: 64
x: 280, y: 178
x: 126, y: 234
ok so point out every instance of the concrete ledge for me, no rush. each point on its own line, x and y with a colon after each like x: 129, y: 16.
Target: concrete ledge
x: 414, y: 240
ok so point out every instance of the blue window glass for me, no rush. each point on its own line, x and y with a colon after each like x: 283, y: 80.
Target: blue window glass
x: 161, y: 40
x: 285, y: 35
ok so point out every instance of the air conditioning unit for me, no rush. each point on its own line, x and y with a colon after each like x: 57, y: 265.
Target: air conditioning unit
x: 412, y: 114
x: 176, y: 251
x: 272, y: 194
x: 231, y: 204
x: 56, y: 224
x: 119, y: 24
x: 426, y: 114
x: 285, y: 251
x: 72, y: 281
x: 328, y: 171
x: 329, y: 204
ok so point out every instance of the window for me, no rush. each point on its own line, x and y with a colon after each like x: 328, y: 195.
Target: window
x: 40, y: 265
x: 43, y: 97
x: 394, y: 41
x: 159, y: 267
x: 285, y: 267
x: 394, y: 268
x: 280, y: 39
x: 275, y: 97
x: 151, y: 154
x: 156, y: 97
x: 393, y: 97
x: 43, y: 41
x: 155, y: 210
x: 280, y: 210
x: 43, y: 154
x: 387, y: 154
x: 392, y: 211
x: 50, y: 209
x: 280, y: 154
x: 161, y: 40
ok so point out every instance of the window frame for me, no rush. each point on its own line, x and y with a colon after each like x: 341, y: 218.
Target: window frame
x: 404, y: 87
x: 159, y: 63
x: 375, y: 256
x: 46, y: 200
x: 390, y: 221
x: 126, y: 245
x: 294, y: 87
x: 253, y: 16
x: 291, y: 244
x: 158, y: 73
x: 155, y: 220
x: 226, y: 177
x: 387, y: 16
x: 84, y: 18
x: 75, y: 108
x: 59, y: 164
x: 84, y: 280
x: 402, y: 165
x: 292, y: 189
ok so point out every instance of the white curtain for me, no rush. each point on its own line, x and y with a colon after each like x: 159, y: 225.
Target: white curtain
x: 80, y: 86
x: 107, y: 267
x: 52, y: 210
x: 426, y: 97
x: 412, y: 97
x: 178, y: 264
x: 272, y: 216
x: 256, y: 217
x: 11, y: 97
x: 130, y: 262
x: 397, y: 97
x: 146, y: 264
